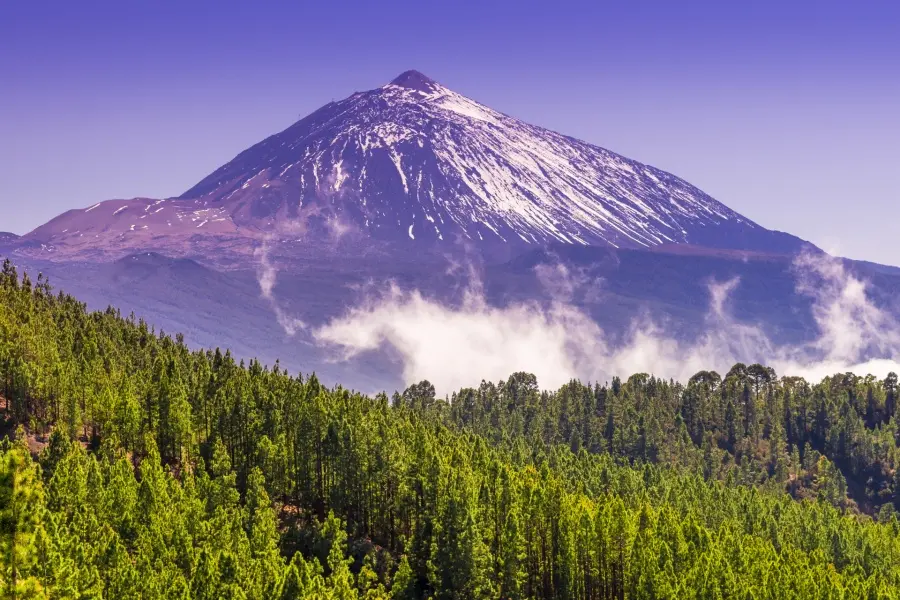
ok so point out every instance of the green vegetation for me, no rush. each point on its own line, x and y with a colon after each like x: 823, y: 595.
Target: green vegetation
x: 142, y: 469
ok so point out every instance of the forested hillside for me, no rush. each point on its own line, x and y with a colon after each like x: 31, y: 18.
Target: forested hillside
x: 138, y: 468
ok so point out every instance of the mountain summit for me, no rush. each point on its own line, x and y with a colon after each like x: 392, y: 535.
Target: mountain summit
x: 415, y: 81
x: 413, y: 161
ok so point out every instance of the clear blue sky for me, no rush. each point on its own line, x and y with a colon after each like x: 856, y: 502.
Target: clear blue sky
x: 788, y: 112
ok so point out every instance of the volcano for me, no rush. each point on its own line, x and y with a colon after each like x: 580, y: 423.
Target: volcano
x: 413, y: 162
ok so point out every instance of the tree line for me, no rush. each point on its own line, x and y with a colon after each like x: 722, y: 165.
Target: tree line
x: 836, y: 440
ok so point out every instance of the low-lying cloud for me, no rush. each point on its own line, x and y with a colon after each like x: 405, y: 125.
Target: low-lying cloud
x: 454, y: 347
x: 459, y: 345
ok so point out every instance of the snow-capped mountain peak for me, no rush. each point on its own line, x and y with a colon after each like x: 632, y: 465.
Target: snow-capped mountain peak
x: 416, y: 162
x: 414, y: 80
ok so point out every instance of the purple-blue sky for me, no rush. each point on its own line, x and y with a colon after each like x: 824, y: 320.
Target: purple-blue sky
x: 789, y: 112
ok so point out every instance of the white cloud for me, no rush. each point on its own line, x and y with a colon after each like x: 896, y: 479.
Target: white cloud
x: 454, y: 347
x: 458, y: 346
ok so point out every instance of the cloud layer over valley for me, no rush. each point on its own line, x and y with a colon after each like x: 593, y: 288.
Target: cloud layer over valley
x: 455, y: 346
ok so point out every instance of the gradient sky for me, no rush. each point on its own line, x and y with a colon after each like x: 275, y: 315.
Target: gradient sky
x: 788, y: 112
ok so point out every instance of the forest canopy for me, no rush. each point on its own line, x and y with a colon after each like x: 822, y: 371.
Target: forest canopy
x: 132, y: 466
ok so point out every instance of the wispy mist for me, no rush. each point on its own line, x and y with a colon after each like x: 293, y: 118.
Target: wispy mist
x: 334, y: 228
x: 457, y: 346
x: 266, y: 275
